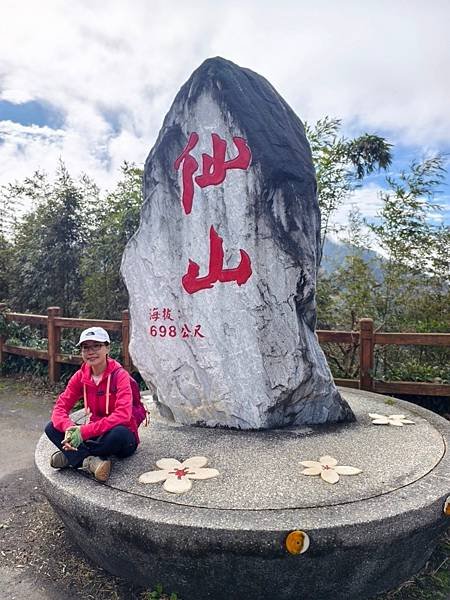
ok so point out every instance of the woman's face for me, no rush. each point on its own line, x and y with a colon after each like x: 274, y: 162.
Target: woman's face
x: 94, y: 354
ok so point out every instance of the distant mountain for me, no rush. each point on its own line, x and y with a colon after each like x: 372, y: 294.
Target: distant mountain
x: 334, y: 254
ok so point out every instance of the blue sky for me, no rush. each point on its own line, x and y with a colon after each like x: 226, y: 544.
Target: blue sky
x: 90, y: 81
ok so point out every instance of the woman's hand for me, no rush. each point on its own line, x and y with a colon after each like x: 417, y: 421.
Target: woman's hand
x: 72, y: 439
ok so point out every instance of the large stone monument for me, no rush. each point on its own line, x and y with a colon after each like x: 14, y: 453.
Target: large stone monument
x: 222, y: 271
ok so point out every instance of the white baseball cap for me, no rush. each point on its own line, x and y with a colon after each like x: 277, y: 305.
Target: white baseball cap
x: 95, y: 334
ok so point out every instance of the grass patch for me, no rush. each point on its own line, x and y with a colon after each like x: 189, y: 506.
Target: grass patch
x: 432, y: 583
x: 159, y: 594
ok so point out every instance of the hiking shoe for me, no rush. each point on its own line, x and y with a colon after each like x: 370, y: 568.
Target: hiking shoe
x: 58, y: 460
x: 99, y: 468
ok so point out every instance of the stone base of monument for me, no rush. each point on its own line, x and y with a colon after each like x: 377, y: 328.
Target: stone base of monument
x: 226, y: 537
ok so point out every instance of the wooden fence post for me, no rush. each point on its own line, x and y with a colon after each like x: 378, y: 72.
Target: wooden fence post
x: 366, y: 364
x: 54, y: 343
x: 126, y: 340
x: 3, y: 307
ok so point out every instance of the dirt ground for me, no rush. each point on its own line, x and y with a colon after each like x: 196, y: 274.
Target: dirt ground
x: 37, y: 559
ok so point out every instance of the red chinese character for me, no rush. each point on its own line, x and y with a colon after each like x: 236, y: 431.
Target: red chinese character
x: 190, y: 165
x: 193, y: 283
x: 154, y: 314
x: 214, y: 167
x: 197, y: 331
x: 185, y: 331
x: 167, y: 314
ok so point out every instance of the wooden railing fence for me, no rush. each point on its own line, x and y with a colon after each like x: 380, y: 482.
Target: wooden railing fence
x: 55, y: 322
x: 366, y: 338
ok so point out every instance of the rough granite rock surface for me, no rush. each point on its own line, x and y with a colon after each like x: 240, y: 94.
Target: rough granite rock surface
x: 233, y: 353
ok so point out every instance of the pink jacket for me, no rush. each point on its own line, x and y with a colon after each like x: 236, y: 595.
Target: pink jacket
x: 102, y: 418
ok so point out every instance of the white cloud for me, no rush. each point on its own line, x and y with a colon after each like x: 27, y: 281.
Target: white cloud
x: 26, y: 149
x: 366, y: 199
x: 27, y: 146
x: 112, y: 69
x: 15, y: 96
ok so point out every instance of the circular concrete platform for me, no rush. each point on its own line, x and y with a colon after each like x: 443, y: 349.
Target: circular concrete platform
x: 225, y: 538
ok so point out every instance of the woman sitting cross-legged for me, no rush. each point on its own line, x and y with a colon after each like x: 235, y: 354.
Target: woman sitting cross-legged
x: 111, y: 428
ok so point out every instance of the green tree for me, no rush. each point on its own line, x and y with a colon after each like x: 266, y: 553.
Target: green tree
x: 341, y: 164
x: 406, y: 288
x: 348, y: 294
x: 415, y: 251
x: 6, y: 258
x: 10, y: 207
x: 117, y: 218
x: 49, y: 241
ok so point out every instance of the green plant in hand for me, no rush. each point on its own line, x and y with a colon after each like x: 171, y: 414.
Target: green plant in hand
x: 158, y: 594
x: 73, y: 437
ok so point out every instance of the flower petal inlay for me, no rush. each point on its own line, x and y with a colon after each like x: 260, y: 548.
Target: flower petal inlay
x: 195, y: 462
x: 154, y: 476
x: 312, y: 471
x: 330, y: 476
x: 176, y: 475
x: 328, y: 469
x: 328, y: 460
x: 311, y: 463
x: 344, y: 470
x: 395, y: 420
x: 203, y: 474
x: 168, y: 463
x: 177, y: 486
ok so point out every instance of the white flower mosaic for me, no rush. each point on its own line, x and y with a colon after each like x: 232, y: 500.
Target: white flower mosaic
x: 396, y: 420
x: 327, y: 467
x: 177, y: 475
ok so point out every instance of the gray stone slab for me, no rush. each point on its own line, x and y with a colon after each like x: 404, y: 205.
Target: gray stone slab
x: 262, y: 470
x: 369, y: 532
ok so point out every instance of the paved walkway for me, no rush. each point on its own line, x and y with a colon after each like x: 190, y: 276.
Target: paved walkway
x: 23, y: 414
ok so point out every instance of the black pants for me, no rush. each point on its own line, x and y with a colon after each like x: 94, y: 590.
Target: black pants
x: 119, y: 441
